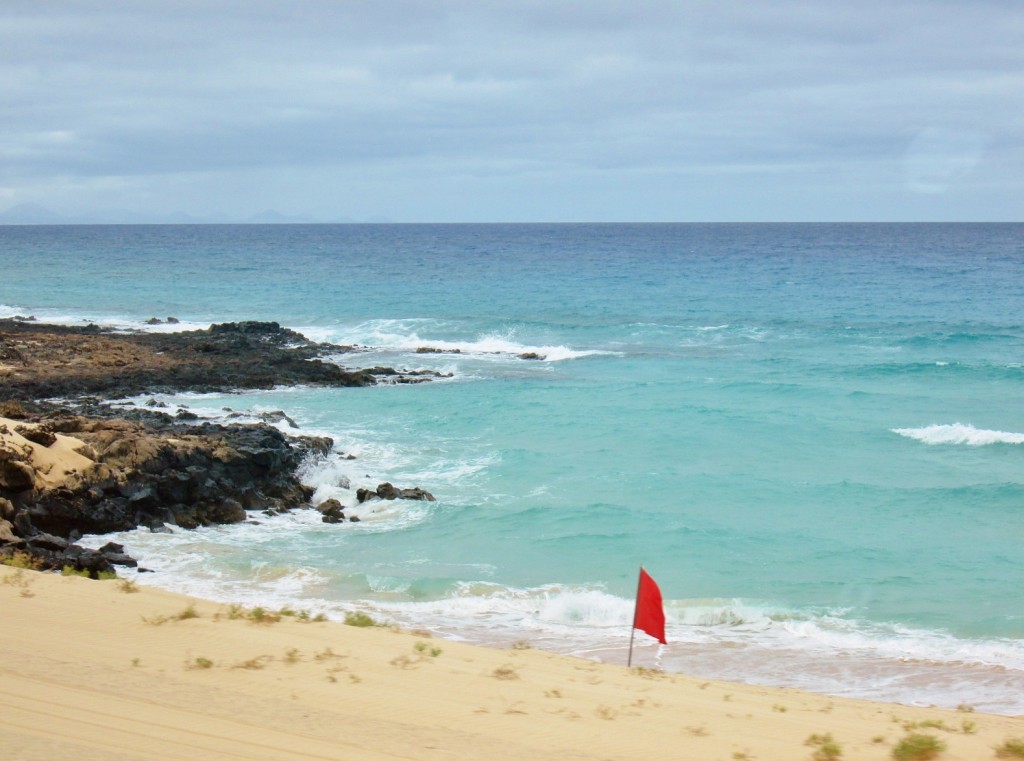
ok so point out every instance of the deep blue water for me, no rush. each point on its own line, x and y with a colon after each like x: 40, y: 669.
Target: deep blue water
x: 809, y: 434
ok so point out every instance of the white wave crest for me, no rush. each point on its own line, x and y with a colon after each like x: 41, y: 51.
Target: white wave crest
x: 412, y: 334
x: 959, y: 433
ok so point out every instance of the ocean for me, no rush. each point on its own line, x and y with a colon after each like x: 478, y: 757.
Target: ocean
x: 808, y: 434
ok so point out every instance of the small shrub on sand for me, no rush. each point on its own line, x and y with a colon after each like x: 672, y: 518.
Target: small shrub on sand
x: 647, y: 673
x: 402, y: 661
x: 128, y: 586
x: 358, y: 618
x: 70, y: 570
x: 825, y: 747
x: 254, y: 664
x: 184, y: 615
x: 918, y: 748
x: 189, y: 612
x: 199, y: 664
x: 263, y: 616
x: 326, y: 655
x: 505, y: 672
x: 19, y: 559
x: 424, y: 649
x: 13, y: 410
x: 1012, y: 748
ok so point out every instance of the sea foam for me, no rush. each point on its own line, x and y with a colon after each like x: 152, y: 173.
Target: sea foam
x: 959, y: 433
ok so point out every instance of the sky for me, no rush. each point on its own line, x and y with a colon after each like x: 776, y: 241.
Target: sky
x: 528, y: 111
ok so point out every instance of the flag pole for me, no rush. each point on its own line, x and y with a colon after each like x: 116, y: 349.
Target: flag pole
x: 636, y: 608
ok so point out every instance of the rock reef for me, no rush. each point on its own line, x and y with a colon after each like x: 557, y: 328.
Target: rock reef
x: 79, y: 466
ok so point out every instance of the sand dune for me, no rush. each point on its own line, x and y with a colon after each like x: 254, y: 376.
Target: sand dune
x: 90, y: 671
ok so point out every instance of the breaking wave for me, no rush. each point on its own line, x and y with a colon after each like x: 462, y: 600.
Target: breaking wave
x: 959, y: 433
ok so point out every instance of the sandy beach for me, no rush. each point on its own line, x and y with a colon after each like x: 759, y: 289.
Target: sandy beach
x: 114, y: 671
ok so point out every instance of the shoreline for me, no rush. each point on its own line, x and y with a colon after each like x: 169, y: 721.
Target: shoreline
x: 606, y: 712
x: 94, y: 670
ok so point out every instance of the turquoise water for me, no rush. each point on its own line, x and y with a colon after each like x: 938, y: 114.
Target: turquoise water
x: 810, y: 435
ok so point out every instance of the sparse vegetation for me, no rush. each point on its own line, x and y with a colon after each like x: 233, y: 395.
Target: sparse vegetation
x: 825, y: 747
x: 505, y: 672
x: 326, y: 654
x: 358, y: 618
x: 424, y: 649
x: 128, y: 586
x: 779, y: 708
x: 647, y: 673
x: 1012, y: 748
x: 19, y: 559
x: 291, y: 655
x: 260, y: 615
x: 70, y: 570
x: 917, y: 747
x: 402, y: 661
x: 254, y: 664
x: 305, y: 617
x: 199, y: 664
x: 184, y: 615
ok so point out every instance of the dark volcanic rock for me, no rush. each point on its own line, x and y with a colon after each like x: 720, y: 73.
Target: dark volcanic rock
x: 148, y: 468
x: 190, y: 476
x: 388, y: 491
x: 331, y: 510
x: 67, y: 361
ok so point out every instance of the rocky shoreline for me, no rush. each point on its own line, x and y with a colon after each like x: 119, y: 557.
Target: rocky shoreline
x: 78, y: 466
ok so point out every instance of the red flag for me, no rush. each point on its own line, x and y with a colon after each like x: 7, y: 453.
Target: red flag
x: 649, y: 616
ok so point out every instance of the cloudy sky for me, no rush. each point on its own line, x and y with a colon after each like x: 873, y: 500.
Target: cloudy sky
x: 536, y: 110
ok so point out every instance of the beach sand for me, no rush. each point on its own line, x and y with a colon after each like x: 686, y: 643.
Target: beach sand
x: 109, y: 670
x: 54, y: 465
